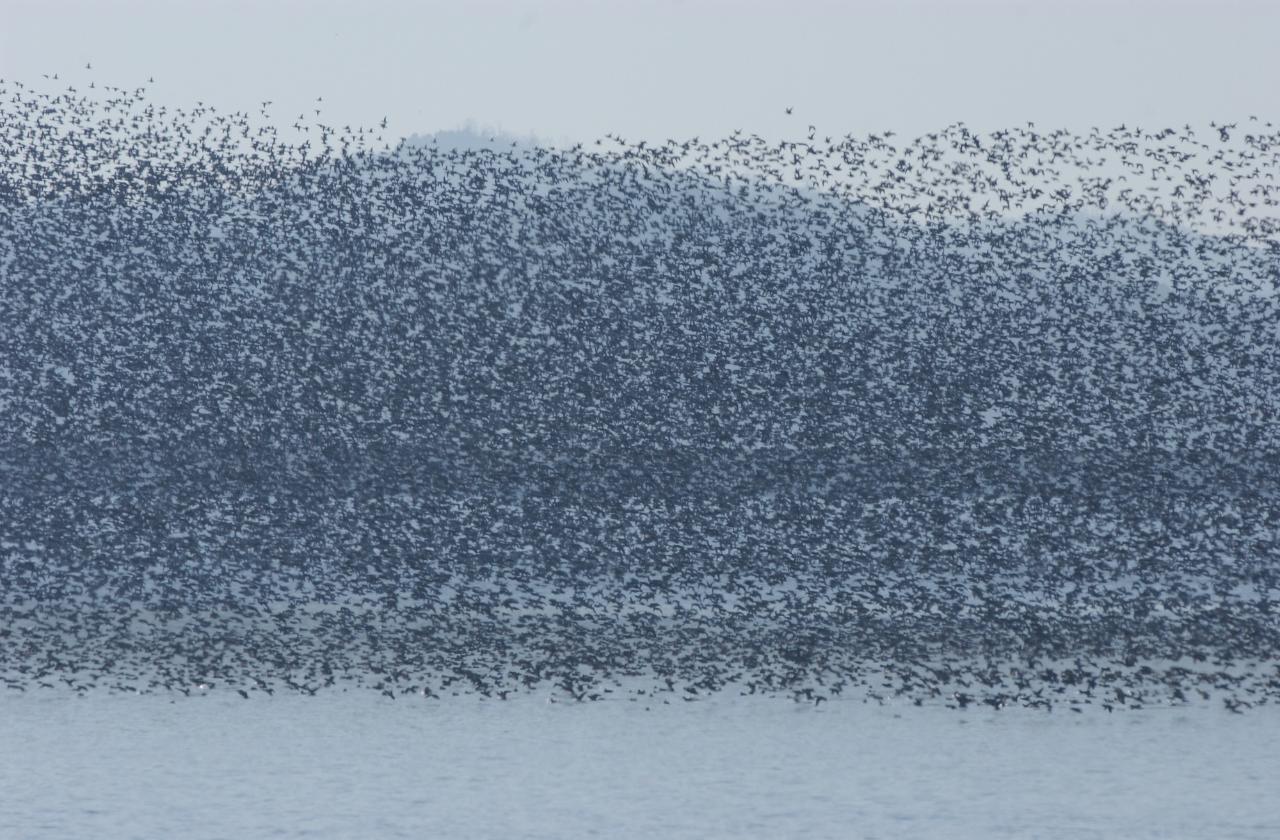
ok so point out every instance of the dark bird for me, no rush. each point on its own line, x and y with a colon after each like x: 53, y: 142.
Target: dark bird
x: 980, y: 419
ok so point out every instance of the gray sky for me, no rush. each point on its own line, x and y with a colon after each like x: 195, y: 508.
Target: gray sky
x: 575, y: 69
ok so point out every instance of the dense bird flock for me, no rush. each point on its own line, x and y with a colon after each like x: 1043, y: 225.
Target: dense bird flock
x: 978, y: 418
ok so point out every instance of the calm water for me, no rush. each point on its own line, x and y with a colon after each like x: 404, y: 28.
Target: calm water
x: 360, y: 765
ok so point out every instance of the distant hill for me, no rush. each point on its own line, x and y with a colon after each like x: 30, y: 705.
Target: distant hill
x: 472, y: 137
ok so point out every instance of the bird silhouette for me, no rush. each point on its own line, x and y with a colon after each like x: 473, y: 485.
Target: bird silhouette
x: 966, y: 419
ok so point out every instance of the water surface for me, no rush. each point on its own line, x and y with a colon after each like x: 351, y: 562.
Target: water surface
x: 360, y: 765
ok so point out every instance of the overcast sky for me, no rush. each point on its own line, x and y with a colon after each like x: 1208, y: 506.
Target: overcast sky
x: 574, y: 69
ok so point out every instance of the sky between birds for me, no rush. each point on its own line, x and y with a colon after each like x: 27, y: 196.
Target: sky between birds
x: 574, y: 71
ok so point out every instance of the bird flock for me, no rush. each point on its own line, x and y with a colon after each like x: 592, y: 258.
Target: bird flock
x: 979, y: 419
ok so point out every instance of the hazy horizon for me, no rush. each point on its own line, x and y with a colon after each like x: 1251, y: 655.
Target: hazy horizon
x: 563, y: 71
